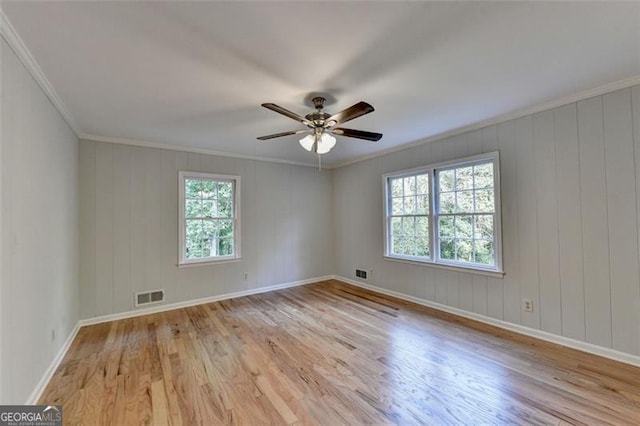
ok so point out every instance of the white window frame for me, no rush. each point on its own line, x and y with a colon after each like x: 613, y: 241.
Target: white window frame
x: 182, y: 243
x: 434, y: 258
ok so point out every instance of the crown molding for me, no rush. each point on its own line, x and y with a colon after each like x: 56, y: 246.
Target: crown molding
x: 522, y: 112
x: 17, y: 45
x: 22, y: 52
x: 519, y: 113
x: 181, y: 148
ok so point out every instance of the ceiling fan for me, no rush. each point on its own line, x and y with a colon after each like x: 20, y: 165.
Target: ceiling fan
x: 321, y: 125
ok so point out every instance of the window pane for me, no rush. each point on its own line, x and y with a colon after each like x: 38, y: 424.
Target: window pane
x: 447, y: 202
x: 396, y: 187
x: 484, y: 252
x: 409, y: 205
x: 483, y: 227
x: 409, y: 247
x: 225, y: 228
x: 447, y: 249
x: 464, y: 226
x: 225, y: 189
x: 446, y: 228
x: 193, y: 232
x: 396, y: 206
x: 464, y: 250
x: 446, y: 180
x: 409, y: 185
x: 422, y: 183
x: 464, y: 201
x: 396, y: 226
x: 408, y: 226
x: 422, y: 226
x: 464, y: 178
x: 422, y: 247
x: 209, y: 238
x: 192, y: 188
x: 192, y: 208
x: 484, y: 201
x: 225, y: 207
x: 423, y: 204
x: 208, y: 189
x: 225, y: 246
x: 483, y: 175
x: 398, y: 244
x: 208, y: 208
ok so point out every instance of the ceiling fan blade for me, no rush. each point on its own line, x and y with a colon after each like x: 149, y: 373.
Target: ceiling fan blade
x: 278, y: 135
x: 360, y: 134
x: 286, y: 112
x: 354, y: 111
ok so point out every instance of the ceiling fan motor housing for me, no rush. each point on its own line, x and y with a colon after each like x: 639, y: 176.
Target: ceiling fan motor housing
x: 318, y: 117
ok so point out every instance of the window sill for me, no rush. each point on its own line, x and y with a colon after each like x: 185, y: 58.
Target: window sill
x: 208, y: 262
x: 468, y: 270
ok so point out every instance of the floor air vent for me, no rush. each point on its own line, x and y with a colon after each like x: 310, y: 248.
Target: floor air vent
x: 148, y: 297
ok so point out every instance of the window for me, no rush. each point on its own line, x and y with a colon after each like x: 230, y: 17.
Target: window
x: 410, y: 215
x: 209, y: 217
x: 447, y: 214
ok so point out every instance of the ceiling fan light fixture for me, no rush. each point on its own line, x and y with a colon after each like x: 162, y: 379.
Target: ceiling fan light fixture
x: 307, y: 142
x: 325, y: 143
x: 321, y: 125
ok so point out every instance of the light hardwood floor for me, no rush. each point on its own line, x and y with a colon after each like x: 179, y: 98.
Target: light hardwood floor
x: 330, y: 353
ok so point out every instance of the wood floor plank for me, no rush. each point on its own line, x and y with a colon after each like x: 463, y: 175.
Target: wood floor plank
x: 159, y: 404
x: 331, y: 353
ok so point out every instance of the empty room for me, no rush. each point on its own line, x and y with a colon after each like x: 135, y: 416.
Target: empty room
x: 322, y: 213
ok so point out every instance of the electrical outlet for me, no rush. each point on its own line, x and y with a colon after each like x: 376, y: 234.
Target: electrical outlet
x: 53, y: 335
x: 245, y: 276
x: 527, y: 305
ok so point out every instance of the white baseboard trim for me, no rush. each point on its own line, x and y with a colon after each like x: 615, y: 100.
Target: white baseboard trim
x: 44, y: 381
x: 538, y: 334
x: 201, y: 301
x: 542, y: 335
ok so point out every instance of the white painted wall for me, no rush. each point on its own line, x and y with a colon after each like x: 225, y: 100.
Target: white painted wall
x: 39, y: 237
x: 129, y: 226
x: 3, y: 46
x: 570, y: 202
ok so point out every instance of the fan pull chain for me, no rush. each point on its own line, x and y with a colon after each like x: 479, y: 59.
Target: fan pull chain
x: 319, y: 162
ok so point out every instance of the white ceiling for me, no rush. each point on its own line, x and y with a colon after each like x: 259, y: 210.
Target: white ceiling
x: 195, y: 74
